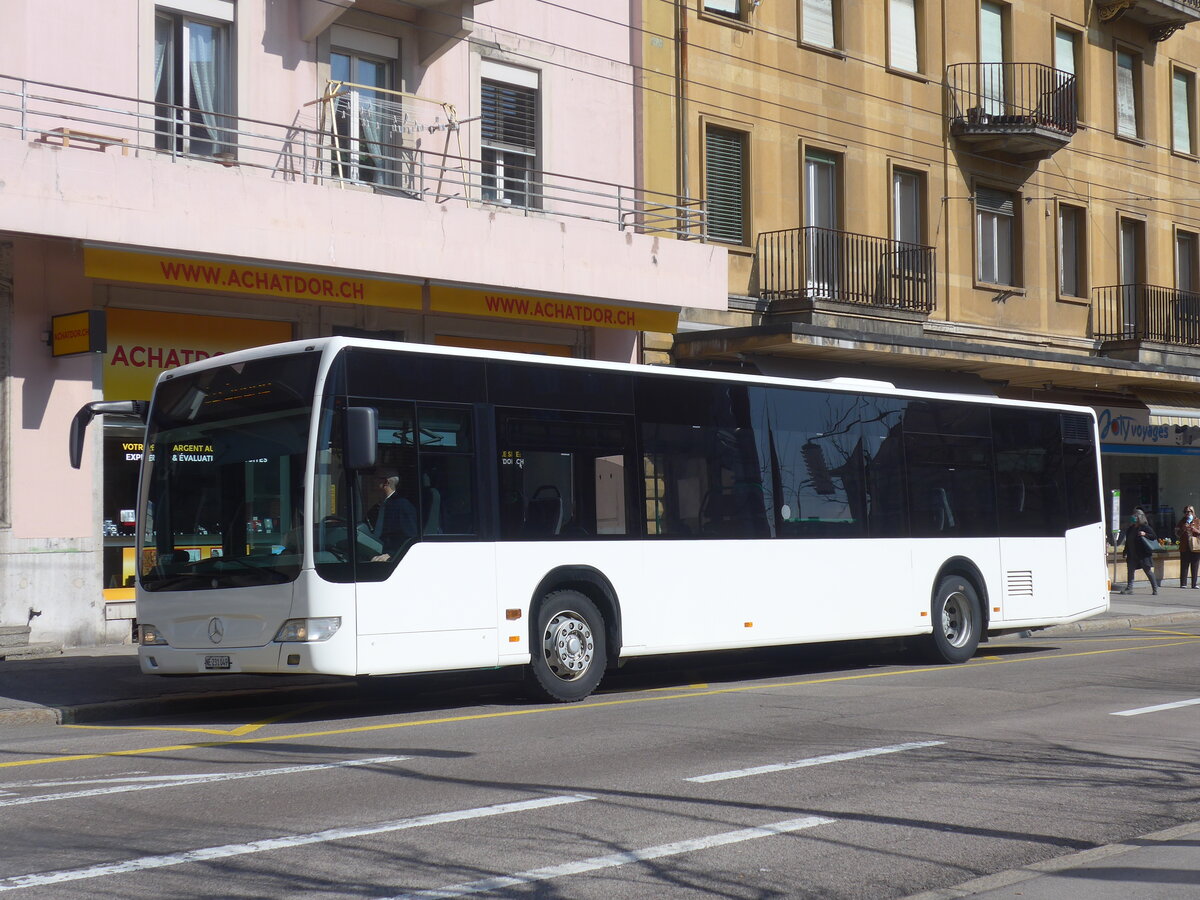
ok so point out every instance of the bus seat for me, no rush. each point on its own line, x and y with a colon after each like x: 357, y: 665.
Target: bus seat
x: 544, y: 512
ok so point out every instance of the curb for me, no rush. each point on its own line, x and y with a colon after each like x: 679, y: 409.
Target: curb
x: 1046, y: 867
x: 1108, y: 622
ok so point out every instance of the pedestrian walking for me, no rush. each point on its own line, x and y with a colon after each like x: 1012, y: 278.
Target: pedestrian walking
x: 1140, y: 543
x: 1188, y: 532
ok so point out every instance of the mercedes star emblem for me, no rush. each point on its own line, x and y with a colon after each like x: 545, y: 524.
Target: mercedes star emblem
x: 216, y: 630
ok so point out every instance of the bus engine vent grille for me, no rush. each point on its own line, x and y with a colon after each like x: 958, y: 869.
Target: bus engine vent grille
x: 1020, y: 583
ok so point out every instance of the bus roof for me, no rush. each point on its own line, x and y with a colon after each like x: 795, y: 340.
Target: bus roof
x: 330, y: 346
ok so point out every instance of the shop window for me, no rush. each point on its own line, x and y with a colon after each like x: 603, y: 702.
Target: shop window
x: 122, y: 461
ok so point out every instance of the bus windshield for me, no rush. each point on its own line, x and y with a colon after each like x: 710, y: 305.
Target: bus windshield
x: 223, y: 477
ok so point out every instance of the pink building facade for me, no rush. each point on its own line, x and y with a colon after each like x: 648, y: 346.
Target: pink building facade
x: 215, y: 174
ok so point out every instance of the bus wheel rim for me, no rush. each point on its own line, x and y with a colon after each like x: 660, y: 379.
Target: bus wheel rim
x: 568, y: 645
x: 956, y: 619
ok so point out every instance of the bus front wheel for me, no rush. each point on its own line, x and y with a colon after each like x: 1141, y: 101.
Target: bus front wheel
x: 957, y: 621
x: 569, y: 651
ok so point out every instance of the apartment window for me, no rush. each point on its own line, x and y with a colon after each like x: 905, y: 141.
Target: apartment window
x: 908, y: 191
x: 1128, y: 88
x: 1187, y: 261
x: 192, y: 84
x: 1072, y: 252
x: 1067, y: 61
x: 822, y: 215
x: 732, y: 9
x: 995, y: 235
x: 818, y: 24
x: 367, y: 115
x: 993, y: 46
x: 725, y: 179
x: 1183, y: 112
x: 904, y: 51
x: 509, y: 134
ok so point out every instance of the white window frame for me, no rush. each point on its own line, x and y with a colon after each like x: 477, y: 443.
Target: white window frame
x: 182, y: 136
x: 499, y: 160
x: 1066, y: 37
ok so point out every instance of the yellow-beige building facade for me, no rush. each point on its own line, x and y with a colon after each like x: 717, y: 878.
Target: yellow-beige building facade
x: 978, y: 196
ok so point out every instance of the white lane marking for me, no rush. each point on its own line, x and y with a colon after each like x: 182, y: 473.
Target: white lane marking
x: 163, y: 781
x: 813, y: 761
x: 612, y: 860
x: 1159, y: 708
x: 206, y: 854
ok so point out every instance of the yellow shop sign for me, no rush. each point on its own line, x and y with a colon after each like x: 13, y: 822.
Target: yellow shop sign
x: 553, y: 311
x: 229, y: 276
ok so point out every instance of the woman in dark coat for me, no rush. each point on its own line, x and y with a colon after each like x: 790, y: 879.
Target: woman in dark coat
x: 1188, y: 531
x: 1137, y: 554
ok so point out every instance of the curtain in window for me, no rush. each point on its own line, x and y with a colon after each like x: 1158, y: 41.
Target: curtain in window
x: 203, y: 49
x: 902, y: 36
x: 1181, y: 112
x: 818, y: 22
x: 1126, y: 96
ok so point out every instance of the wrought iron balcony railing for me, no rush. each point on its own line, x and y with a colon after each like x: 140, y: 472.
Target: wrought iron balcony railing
x: 823, y: 264
x: 72, y: 118
x: 1147, y: 312
x: 991, y: 98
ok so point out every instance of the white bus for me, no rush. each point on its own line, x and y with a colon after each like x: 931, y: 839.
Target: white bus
x: 565, y: 515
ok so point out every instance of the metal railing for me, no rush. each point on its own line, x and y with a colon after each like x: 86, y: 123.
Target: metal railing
x: 821, y: 263
x: 90, y: 120
x: 1147, y: 312
x: 986, y: 95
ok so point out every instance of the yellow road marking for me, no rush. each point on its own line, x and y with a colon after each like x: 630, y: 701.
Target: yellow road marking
x: 224, y: 732
x: 562, y: 708
x: 1165, y: 633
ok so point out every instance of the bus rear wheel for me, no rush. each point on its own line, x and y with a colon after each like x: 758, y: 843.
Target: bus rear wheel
x: 569, y: 651
x: 957, y: 621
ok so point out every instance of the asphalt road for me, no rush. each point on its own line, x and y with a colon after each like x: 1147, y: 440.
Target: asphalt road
x: 823, y: 774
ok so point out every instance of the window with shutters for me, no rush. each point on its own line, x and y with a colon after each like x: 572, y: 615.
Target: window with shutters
x: 904, y: 50
x: 819, y: 23
x: 509, y: 135
x: 1128, y: 81
x: 1183, y: 112
x: 1072, y: 251
x: 995, y: 236
x: 725, y: 171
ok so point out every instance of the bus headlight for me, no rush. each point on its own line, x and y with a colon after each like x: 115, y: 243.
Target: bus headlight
x: 149, y: 636
x: 308, y: 630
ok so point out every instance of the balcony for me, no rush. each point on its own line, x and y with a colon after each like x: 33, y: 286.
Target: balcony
x: 1162, y: 18
x: 1021, y: 110
x: 312, y: 194
x: 836, y: 278
x: 1147, y: 323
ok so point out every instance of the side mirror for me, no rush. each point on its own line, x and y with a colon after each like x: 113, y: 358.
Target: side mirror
x: 84, y: 417
x: 362, y: 436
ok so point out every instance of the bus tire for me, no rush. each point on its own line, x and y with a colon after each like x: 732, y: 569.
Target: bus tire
x: 957, y: 621
x: 569, y: 651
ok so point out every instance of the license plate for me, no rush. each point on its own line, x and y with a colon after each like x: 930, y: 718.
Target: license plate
x: 218, y: 662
